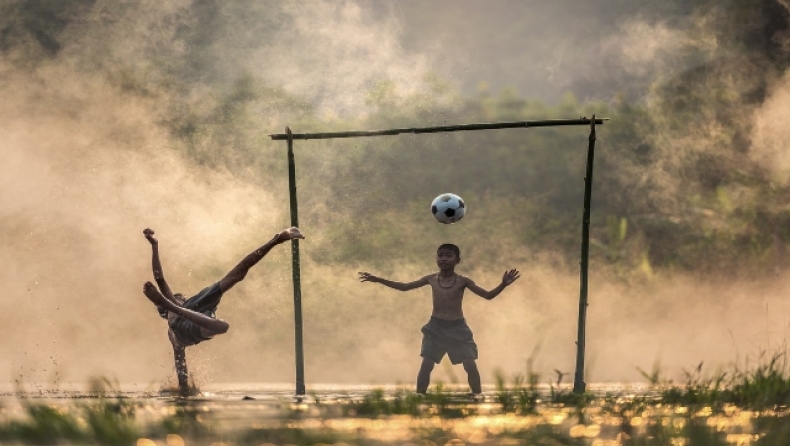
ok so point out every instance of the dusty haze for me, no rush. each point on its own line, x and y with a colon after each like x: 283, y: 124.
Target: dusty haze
x: 88, y: 165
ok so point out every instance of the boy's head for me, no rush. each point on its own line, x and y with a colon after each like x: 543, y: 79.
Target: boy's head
x: 163, y: 313
x: 447, y: 256
x: 450, y: 247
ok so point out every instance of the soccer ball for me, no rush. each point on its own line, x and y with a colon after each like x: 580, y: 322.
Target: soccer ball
x: 448, y: 208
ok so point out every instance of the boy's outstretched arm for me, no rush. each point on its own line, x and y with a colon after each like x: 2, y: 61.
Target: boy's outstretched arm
x: 508, y: 278
x: 156, y: 264
x: 400, y: 286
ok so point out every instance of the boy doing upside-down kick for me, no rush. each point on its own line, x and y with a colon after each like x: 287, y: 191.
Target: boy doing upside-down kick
x: 191, y: 321
x: 446, y: 332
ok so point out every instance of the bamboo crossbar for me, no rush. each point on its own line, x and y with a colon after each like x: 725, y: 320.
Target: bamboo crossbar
x: 443, y: 128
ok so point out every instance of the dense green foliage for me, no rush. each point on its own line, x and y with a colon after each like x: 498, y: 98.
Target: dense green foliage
x: 660, y: 201
x: 676, y: 184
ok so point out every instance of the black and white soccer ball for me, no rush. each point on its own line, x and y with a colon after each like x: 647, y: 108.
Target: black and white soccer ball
x: 448, y: 208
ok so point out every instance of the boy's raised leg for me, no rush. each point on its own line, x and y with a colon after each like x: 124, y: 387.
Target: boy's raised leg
x: 238, y: 273
x: 424, y: 376
x: 473, y: 375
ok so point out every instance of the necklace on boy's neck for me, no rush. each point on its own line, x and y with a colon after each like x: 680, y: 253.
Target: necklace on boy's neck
x: 439, y: 280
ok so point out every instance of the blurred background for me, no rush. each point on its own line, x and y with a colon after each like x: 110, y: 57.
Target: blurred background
x: 117, y: 116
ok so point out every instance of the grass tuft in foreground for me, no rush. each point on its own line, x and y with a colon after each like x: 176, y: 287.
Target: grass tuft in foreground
x: 764, y: 387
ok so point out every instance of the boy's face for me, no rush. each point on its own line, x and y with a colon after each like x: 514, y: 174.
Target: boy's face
x: 446, y: 259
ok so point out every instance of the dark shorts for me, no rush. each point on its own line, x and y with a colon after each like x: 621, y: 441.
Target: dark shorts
x: 206, y: 301
x: 454, y: 338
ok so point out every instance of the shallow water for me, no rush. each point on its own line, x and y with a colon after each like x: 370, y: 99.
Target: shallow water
x: 271, y: 414
x: 277, y: 391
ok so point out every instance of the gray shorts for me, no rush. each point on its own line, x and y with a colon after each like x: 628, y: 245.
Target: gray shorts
x: 454, y: 338
x: 206, y: 301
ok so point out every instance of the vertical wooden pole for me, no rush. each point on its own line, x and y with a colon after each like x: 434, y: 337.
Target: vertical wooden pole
x: 297, y: 281
x: 578, y: 381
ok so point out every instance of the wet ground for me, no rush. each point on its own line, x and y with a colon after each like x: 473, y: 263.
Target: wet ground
x: 229, y: 414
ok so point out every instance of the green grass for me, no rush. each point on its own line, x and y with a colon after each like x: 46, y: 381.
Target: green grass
x: 766, y: 386
x: 721, y: 409
x: 110, y: 421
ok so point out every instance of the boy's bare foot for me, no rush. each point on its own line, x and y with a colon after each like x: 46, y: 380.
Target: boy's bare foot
x: 149, y: 234
x: 289, y: 234
x: 153, y: 294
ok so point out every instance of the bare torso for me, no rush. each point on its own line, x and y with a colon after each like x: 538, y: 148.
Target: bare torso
x: 171, y: 317
x: 448, y: 295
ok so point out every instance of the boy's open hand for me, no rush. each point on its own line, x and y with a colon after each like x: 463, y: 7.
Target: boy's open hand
x: 367, y: 277
x: 149, y: 234
x: 510, y: 277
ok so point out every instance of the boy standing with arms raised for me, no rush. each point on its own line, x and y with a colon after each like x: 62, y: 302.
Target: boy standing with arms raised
x: 447, y: 332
